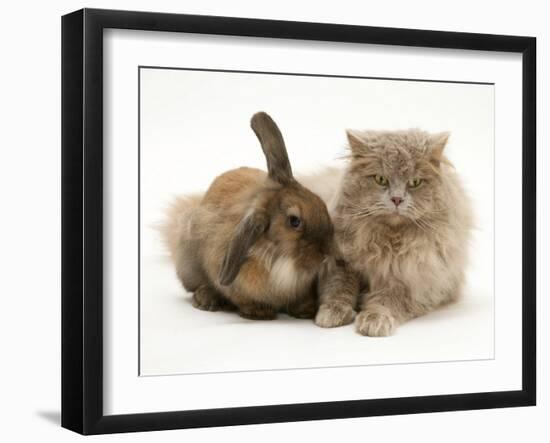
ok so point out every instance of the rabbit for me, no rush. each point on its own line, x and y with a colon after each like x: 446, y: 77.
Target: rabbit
x: 255, y: 241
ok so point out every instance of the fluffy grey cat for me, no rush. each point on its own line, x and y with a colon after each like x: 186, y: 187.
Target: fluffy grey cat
x: 402, y: 223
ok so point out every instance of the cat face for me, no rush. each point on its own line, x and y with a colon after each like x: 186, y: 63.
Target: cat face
x: 395, y: 175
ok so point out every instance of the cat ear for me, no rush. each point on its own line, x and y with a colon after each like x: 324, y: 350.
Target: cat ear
x: 356, y: 141
x: 437, y: 143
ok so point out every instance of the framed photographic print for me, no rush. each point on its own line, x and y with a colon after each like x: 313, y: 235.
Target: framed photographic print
x: 268, y: 221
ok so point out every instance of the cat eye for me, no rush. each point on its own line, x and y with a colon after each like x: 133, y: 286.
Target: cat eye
x: 381, y: 180
x: 294, y: 221
x: 415, y: 182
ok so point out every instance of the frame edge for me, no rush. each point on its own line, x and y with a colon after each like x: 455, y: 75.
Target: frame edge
x: 529, y: 220
x: 72, y: 222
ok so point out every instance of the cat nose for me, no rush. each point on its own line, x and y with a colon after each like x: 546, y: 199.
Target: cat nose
x: 396, y: 200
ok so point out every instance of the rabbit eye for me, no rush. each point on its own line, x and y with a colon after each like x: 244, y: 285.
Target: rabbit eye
x: 294, y: 221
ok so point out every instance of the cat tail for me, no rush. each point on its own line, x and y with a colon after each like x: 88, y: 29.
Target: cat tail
x: 326, y: 183
x: 177, y: 223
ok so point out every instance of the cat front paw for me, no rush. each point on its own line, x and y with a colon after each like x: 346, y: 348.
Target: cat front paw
x: 375, y: 324
x: 332, y: 315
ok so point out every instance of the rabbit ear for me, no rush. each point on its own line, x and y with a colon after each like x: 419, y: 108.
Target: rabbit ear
x: 273, y: 145
x: 248, y: 231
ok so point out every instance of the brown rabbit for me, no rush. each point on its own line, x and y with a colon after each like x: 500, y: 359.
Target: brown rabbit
x: 255, y: 241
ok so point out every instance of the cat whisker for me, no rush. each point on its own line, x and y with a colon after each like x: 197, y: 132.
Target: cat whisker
x: 417, y: 224
x: 420, y: 220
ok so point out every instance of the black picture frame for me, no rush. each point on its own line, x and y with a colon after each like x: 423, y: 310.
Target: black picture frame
x: 82, y: 220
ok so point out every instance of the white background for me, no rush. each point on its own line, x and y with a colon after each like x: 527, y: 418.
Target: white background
x: 30, y: 179
x: 195, y: 125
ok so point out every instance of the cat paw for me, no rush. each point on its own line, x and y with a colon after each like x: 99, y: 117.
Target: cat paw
x: 333, y: 315
x: 375, y: 324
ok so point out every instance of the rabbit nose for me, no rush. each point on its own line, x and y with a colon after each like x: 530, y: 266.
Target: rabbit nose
x: 397, y: 200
